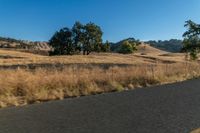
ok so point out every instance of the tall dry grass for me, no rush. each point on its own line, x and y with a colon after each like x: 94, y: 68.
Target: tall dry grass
x: 21, y: 87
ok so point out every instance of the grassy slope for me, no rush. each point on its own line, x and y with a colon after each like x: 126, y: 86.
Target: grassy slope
x: 17, y: 58
x: 96, y: 73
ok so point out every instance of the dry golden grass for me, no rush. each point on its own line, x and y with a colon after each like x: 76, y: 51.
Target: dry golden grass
x: 20, y: 87
x: 26, y: 58
x: 25, y: 86
x: 147, y: 49
x: 21, y: 58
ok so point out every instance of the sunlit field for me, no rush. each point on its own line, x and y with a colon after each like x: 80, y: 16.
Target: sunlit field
x: 28, y: 78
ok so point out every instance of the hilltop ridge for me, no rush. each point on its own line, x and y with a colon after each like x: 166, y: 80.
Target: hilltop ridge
x: 22, y: 44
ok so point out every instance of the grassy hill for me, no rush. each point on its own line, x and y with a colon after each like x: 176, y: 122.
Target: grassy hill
x: 115, y: 46
x: 17, y: 58
x: 28, y: 46
x: 172, y: 45
x: 27, y: 78
x: 146, y: 49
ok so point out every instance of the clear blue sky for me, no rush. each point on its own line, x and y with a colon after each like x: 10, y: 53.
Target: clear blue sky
x: 119, y: 19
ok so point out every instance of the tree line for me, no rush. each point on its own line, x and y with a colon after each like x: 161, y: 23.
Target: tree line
x: 79, y: 39
x: 86, y: 39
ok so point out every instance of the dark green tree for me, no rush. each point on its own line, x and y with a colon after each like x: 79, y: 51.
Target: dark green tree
x: 92, y: 38
x: 191, y: 39
x: 78, y: 36
x: 193, y: 29
x: 105, y: 47
x: 86, y: 38
x: 62, y: 42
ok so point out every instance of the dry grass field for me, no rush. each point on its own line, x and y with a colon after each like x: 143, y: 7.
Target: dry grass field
x: 28, y: 78
x: 145, y: 54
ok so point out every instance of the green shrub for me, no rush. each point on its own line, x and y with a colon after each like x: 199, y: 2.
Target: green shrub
x: 127, y: 48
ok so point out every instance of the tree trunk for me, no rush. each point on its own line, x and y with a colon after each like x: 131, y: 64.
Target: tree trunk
x: 88, y: 52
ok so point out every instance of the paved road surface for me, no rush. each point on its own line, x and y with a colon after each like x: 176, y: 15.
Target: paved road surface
x: 171, y: 108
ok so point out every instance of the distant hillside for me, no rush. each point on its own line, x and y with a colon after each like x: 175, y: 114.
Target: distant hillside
x: 172, y: 45
x: 21, y: 44
x: 142, y: 48
x: 146, y: 49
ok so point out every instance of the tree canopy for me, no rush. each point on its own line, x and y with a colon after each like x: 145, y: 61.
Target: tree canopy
x: 193, y: 29
x: 192, y: 39
x: 81, y: 38
x: 92, y: 38
x: 62, y: 42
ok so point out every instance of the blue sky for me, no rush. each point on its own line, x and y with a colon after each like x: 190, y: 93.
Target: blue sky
x: 119, y: 19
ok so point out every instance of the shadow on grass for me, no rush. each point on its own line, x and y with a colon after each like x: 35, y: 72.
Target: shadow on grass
x: 62, y: 66
x: 10, y: 57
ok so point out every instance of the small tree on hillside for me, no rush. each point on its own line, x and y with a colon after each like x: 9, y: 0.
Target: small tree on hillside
x: 127, y: 48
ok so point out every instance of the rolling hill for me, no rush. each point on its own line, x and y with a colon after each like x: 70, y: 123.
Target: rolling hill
x: 172, y: 45
x: 146, y: 49
x: 142, y: 47
x: 21, y: 44
x: 27, y: 78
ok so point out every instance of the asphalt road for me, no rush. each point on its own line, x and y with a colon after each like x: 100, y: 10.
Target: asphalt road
x: 171, y: 108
